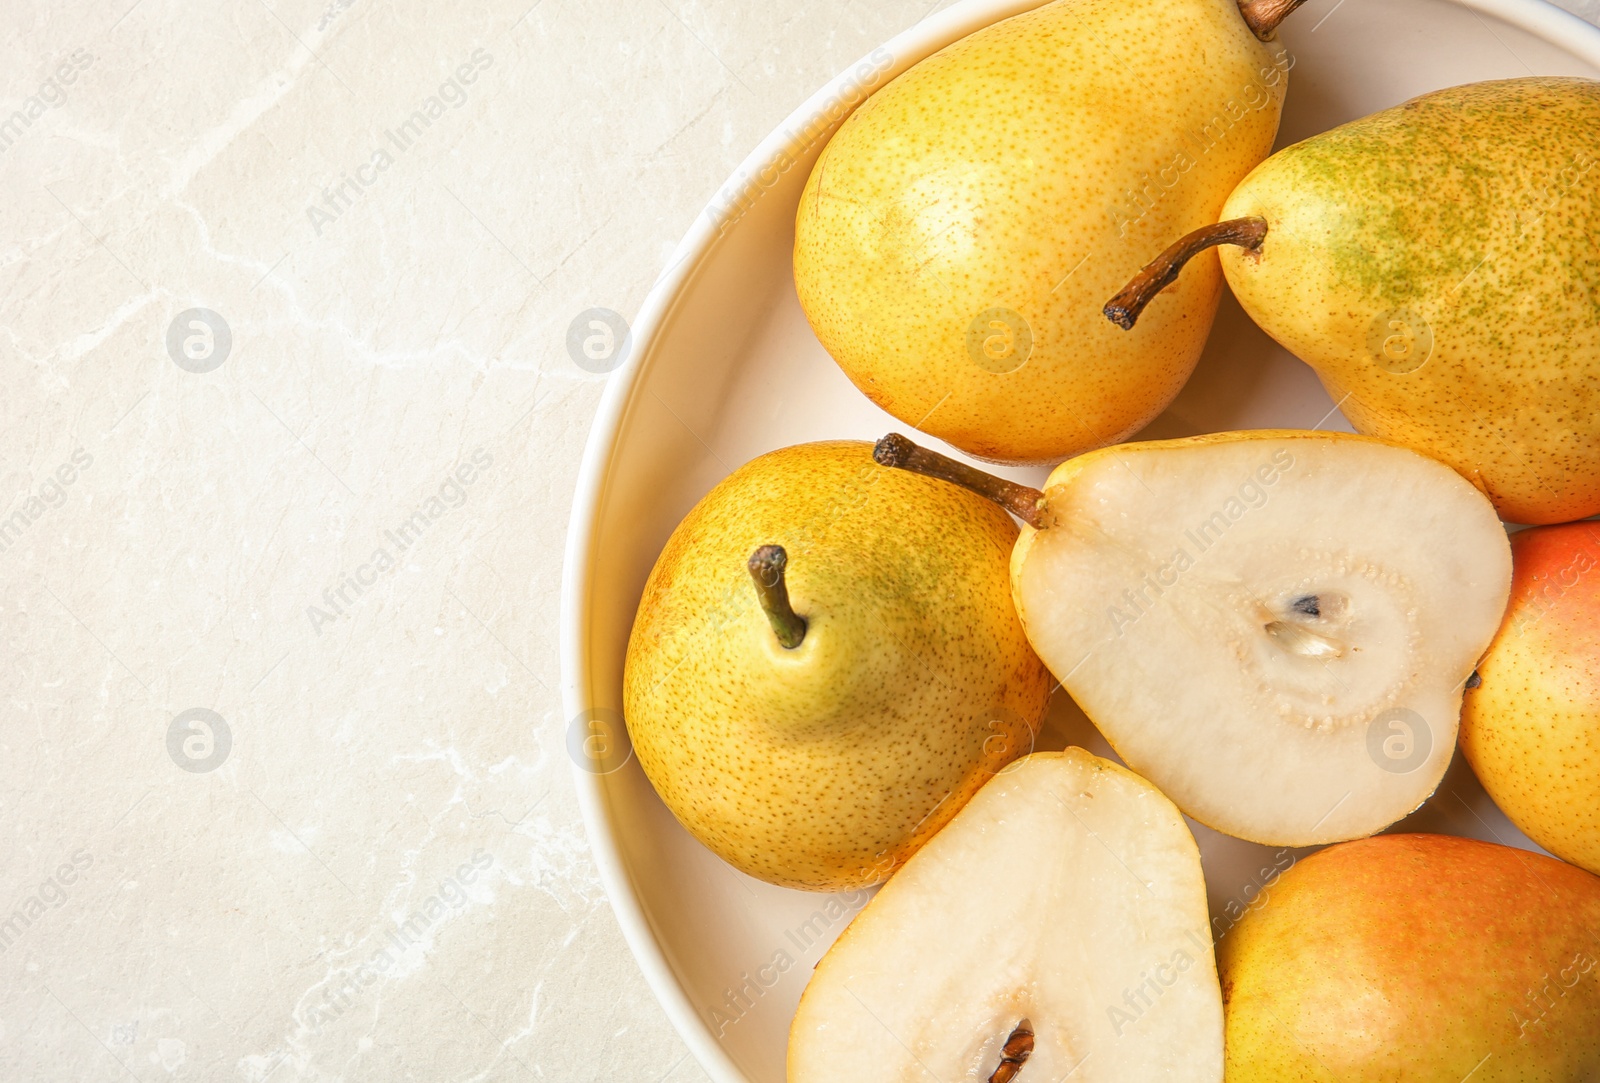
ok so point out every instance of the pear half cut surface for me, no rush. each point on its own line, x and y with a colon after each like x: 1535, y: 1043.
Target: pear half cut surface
x: 1055, y: 929
x: 1274, y: 627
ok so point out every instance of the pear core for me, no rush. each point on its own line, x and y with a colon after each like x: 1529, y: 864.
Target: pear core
x: 1275, y: 628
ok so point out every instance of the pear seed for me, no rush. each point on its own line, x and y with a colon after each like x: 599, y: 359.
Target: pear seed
x: 1018, y: 1047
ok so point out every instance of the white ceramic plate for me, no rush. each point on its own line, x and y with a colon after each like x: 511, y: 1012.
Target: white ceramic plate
x: 723, y: 367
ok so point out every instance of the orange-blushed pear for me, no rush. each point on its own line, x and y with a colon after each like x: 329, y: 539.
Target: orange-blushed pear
x: 1424, y: 958
x: 1531, y: 724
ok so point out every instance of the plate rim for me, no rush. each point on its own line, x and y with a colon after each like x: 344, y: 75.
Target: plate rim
x: 1538, y: 17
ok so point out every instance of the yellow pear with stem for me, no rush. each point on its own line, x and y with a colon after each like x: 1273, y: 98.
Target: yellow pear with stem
x: 958, y: 234
x: 825, y: 665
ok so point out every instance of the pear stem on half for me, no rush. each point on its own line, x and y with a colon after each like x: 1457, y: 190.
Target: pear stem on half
x: 1018, y: 1048
x: 1025, y: 503
x: 1263, y: 16
x: 1124, y: 309
x: 766, y: 568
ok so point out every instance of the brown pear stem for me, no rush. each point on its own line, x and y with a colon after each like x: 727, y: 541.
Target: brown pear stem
x: 766, y: 568
x: 1263, y: 16
x: 1025, y: 503
x: 1124, y: 309
x: 1018, y: 1048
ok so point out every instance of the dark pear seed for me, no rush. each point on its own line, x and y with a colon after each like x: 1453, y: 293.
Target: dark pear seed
x: 1018, y: 1047
x: 1309, y: 604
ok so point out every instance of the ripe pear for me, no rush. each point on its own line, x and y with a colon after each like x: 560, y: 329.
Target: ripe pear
x: 1531, y: 729
x: 1438, y: 265
x: 1274, y: 627
x: 825, y: 665
x: 1417, y: 959
x: 1055, y: 930
x: 959, y: 232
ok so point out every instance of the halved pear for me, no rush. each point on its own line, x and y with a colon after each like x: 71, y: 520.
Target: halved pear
x: 1274, y: 627
x: 1056, y: 929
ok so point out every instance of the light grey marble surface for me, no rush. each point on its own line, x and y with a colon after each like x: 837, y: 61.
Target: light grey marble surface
x: 326, y: 513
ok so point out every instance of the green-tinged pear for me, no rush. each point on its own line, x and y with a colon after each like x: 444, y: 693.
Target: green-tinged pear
x: 1438, y: 265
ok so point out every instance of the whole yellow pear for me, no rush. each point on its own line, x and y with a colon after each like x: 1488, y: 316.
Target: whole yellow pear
x: 1531, y: 728
x: 825, y: 765
x: 959, y: 233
